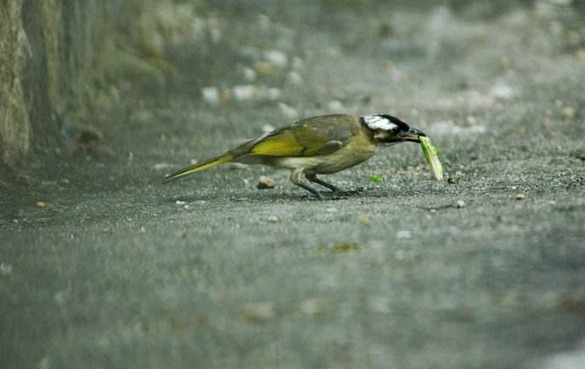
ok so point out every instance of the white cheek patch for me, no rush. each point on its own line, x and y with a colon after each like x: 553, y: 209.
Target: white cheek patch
x: 379, y: 122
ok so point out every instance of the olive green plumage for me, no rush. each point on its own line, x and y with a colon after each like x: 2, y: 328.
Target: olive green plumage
x: 318, y: 145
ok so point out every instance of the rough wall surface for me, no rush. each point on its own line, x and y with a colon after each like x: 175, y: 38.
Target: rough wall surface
x: 50, y: 54
x: 66, y: 38
x: 14, y: 121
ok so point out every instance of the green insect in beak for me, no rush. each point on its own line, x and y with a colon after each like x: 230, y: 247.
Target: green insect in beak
x: 319, y: 145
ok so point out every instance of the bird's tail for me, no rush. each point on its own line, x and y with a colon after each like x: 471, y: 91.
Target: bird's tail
x: 222, y: 159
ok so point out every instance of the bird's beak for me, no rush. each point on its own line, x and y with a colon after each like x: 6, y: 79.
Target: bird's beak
x: 413, y: 135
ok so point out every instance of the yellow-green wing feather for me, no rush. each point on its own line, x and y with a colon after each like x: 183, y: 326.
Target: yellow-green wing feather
x: 283, y: 144
x: 308, y: 137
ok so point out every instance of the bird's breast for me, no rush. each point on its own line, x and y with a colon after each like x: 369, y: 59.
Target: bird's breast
x: 352, y: 154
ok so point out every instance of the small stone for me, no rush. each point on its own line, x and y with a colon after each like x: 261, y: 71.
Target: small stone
x: 294, y: 78
x: 210, y: 94
x: 264, y: 183
x: 568, y: 113
x: 460, y: 204
x: 249, y: 74
x: 520, y: 196
x: 274, y: 219
x: 273, y: 93
x: 314, y: 306
x: 471, y: 120
x: 41, y: 204
x: 502, y: 91
x: 162, y: 166
x: 288, y: 111
x: 180, y: 202
x: 61, y: 297
x: 267, y: 128
x: 236, y: 166
x: 335, y: 105
x: 5, y: 269
x: 259, y: 312
x: 277, y: 58
x: 403, y: 234
x: 245, y: 92
x: 264, y: 69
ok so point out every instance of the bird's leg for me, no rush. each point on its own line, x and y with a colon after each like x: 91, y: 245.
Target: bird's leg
x: 295, y: 178
x: 313, y: 178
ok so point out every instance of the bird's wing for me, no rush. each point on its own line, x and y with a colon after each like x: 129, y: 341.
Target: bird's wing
x: 308, y: 137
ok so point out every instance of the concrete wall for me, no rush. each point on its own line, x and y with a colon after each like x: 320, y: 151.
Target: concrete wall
x: 14, y: 120
x: 50, y: 56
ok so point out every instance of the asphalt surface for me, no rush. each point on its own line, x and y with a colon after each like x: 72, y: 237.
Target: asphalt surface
x: 102, y: 265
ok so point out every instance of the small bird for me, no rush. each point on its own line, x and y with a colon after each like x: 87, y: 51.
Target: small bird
x: 319, y: 145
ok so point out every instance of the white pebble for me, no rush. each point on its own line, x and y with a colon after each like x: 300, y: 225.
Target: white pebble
x: 249, y: 74
x: 294, y: 78
x: 5, y: 269
x: 288, y: 111
x: 210, y: 94
x: 276, y: 58
x: 335, y: 105
x: 267, y: 128
x: 274, y: 219
x: 403, y: 234
x: 245, y: 92
x: 162, y: 166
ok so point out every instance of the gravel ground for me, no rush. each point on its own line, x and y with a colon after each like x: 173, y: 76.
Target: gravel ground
x: 102, y: 265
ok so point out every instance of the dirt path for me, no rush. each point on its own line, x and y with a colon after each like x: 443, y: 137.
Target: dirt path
x: 483, y: 270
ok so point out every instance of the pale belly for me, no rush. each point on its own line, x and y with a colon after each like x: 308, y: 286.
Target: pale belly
x: 324, y: 164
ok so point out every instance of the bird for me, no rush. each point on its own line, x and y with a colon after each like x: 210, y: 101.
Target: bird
x: 318, y: 145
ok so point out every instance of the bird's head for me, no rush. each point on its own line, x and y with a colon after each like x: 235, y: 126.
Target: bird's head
x: 387, y: 129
